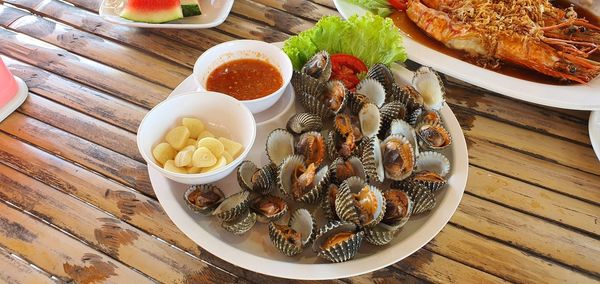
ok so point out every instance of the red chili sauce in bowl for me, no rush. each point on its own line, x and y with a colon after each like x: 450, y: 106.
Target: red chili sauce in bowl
x: 245, y: 79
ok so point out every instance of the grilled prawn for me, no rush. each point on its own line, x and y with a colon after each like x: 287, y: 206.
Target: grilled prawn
x: 529, y: 33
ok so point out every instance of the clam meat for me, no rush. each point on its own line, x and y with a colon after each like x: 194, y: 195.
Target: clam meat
x: 312, y: 146
x: 398, y: 157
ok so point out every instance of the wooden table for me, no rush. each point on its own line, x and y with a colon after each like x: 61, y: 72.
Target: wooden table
x: 77, y: 204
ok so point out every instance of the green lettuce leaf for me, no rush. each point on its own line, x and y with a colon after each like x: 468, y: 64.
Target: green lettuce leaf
x: 371, y: 38
x: 379, y: 7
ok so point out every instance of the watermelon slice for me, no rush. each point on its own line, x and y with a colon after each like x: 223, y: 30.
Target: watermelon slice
x: 152, y: 11
x: 190, y: 8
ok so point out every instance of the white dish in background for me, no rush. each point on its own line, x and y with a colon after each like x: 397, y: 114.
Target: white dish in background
x: 254, y: 251
x: 214, y: 12
x: 221, y: 114
x: 578, y: 97
x: 16, y: 101
x: 244, y: 49
x: 594, y: 129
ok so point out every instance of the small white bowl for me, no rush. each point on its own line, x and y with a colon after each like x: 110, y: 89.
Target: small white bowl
x: 222, y: 115
x: 243, y: 49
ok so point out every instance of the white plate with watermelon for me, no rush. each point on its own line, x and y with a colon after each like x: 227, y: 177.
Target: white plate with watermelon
x: 166, y: 14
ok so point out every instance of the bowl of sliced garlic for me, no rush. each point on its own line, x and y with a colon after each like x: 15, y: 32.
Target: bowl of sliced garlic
x: 198, y: 137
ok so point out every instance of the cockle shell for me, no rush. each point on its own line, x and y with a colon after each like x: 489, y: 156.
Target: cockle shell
x: 398, y: 157
x: 349, y: 208
x: 423, y: 199
x: 233, y: 206
x: 431, y: 87
x: 383, y: 75
x: 284, y: 179
x: 341, y: 169
x: 370, y: 120
x: 344, y: 247
x: 301, y: 226
x: 372, y: 159
x: 373, y: 90
x: 268, y: 207
x: 280, y: 145
x: 241, y: 224
x: 252, y: 178
x: 401, y: 127
x: 433, y: 137
x: 319, y: 66
x: 304, y: 122
x: 203, y: 198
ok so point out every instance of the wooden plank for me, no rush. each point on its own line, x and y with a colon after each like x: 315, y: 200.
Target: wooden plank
x: 109, y: 235
x: 327, y: 3
x: 247, y: 29
x: 91, y: 22
x: 528, y: 233
x: 78, y: 97
x: 535, y: 118
x: 581, y: 116
x: 16, y: 271
x: 534, y: 200
x: 305, y: 9
x: 80, y: 69
x: 121, y: 201
x: 201, y: 39
x: 101, y: 50
x: 59, y: 254
x: 500, y: 260
x: 568, y: 181
x: 439, y: 269
x: 276, y: 18
x: 92, y: 156
x: 82, y: 125
x: 539, y: 145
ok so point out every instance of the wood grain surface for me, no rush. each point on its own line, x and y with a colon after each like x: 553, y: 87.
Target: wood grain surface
x: 76, y: 203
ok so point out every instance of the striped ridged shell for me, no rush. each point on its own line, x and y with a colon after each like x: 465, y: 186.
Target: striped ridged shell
x: 356, y: 101
x: 345, y: 204
x: 303, y: 83
x: 410, y: 158
x: 233, y: 206
x: 284, y: 179
x: 343, y: 251
x: 381, y: 234
x: 281, y: 243
x: 332, y: 87
x: 390, y: 111
x: 433, y: 162
x: 266, y: 177
x: 357, y: 166
x: 384, y: 75
x: 423, y: 198
x: 207, y: 210
x: 261, y: 216
x: 371, y: 159
x: 241, y: 224
x: 423, y: 141
x: 314, y: 105
x: 328, y: 210
x: 401, y: 127
x: 330, y: 142
x: 300, y: 221
x: 304, y: 122
x: 319, y: 66
x: 410, y: 97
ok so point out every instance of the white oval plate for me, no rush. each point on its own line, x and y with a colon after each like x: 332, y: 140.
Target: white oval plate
x: 214, y: 12
x: 594, y: 129
x: 578, y: 97
x: 254, y: 251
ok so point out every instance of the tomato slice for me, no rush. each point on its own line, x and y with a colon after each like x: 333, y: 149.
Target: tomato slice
x: 346, y: 67
x: 398, y: 4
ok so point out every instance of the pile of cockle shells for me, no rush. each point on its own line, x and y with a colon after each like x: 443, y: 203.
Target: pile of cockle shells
x: 367, y: 158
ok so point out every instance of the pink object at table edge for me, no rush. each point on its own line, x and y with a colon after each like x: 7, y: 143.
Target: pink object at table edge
x: 8, y: 85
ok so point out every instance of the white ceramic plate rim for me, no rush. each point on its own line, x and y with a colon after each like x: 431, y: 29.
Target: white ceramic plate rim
x: 417, y: 239
x: 594, y: 129
x: 578, y: 97
x: 110, y: 16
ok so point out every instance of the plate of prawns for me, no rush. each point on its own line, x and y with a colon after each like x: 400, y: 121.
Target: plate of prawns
x: 540, y: 51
